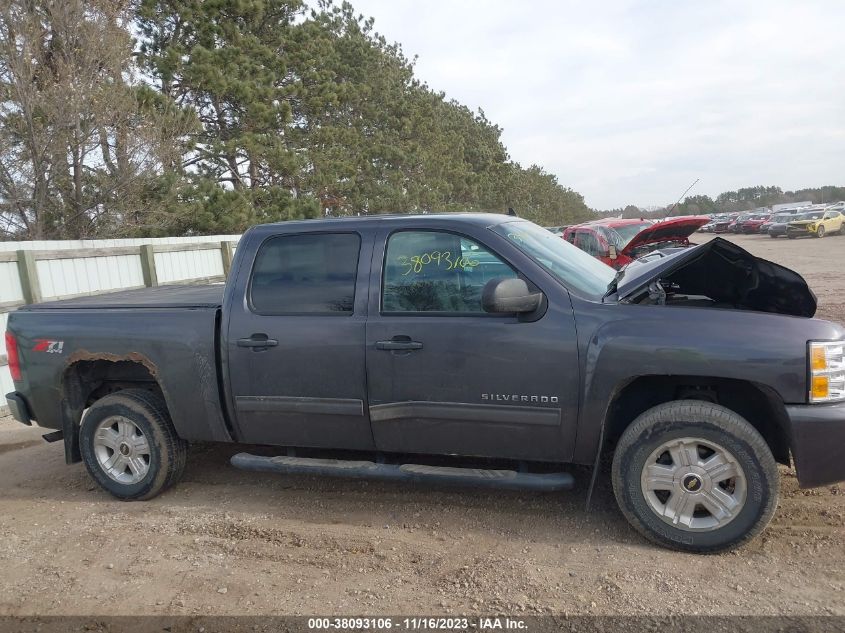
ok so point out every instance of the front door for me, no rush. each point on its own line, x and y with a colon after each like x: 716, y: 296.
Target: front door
x: 445, y: 377
x: 296, y: 343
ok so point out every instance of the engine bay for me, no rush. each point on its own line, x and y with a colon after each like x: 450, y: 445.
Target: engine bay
x: 720, y: 274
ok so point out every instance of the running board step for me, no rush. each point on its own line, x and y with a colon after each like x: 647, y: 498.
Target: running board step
x: 509, y: 479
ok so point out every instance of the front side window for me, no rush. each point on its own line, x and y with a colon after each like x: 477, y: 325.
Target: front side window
x: 435, y: 271
x: 310, y: 273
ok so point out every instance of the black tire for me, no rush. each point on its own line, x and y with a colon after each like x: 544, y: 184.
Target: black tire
x: 167, y: 451
x: 715, y: 425
x: 820, y: 232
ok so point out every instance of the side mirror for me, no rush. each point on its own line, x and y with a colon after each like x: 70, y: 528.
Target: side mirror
x: 611, y: 252
x: 509, y: 295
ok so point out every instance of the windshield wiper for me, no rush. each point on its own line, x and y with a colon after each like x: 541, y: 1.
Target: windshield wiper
x: 614, y: 284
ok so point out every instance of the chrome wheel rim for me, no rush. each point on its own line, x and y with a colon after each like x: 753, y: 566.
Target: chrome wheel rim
x: 122, y: 450
x: 694, y: 484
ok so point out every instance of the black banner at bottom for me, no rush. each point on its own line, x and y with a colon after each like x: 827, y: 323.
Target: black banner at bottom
x: 403, y: 623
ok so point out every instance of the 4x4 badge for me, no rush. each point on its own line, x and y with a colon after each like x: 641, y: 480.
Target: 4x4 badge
x: 51, y: 347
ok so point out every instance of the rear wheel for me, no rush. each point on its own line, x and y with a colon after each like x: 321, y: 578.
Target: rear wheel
x: 129, y: 445
x: 695, y: 476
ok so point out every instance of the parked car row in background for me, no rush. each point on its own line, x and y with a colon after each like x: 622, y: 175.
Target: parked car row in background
x: 619, y: 241
x: 802, y: 220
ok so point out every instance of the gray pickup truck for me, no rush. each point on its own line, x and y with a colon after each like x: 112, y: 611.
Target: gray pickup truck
x: 459, y: 347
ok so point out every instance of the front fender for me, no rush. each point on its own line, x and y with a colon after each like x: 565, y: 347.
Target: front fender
x: 621, y: 343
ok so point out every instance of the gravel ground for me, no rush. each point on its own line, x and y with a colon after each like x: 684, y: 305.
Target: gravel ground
x: 230, y: 542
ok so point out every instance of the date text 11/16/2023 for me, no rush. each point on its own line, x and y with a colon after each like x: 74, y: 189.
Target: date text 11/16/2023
x: 418, y: 623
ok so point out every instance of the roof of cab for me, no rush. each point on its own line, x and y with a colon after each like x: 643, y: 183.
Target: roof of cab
x: 481, y: 219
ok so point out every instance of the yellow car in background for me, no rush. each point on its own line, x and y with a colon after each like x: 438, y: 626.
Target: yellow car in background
x: 816, y: 224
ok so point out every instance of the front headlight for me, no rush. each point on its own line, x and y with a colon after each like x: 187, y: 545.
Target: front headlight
x: 812, y: 227
x: 827, y: 371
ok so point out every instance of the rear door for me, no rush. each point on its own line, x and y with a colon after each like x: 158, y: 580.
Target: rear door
x: 445, y: 377
x: 295, y: 341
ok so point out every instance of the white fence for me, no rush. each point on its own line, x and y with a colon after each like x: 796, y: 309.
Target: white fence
x: 41, y: 271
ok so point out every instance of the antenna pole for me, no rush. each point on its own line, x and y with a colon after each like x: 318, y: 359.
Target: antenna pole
x: 669, y: 210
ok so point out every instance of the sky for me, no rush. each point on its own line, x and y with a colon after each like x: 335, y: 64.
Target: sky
x: 629, y: 102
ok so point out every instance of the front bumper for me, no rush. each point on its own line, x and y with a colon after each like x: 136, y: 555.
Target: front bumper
x: 19, y: 408
x: 798, y: 231
x: 818, y: 441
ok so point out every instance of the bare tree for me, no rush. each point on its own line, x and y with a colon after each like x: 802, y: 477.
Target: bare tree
x: 85, y: 148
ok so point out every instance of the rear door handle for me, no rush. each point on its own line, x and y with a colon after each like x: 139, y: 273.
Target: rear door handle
x: 398, y: 345
x: 257, y: 341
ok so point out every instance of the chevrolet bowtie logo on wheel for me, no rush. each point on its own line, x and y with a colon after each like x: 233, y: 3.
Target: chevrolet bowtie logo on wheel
x: 692, y: 483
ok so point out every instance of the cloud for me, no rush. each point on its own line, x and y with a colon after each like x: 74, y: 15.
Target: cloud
x: 629, y: 102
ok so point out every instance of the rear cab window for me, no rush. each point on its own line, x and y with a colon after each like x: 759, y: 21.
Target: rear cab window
x: 308, y: 273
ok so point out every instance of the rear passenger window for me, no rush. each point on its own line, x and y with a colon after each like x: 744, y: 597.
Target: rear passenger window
x: 311, y: 273
x: 435, y: 271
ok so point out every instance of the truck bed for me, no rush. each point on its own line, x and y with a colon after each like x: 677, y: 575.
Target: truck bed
x: 171, y: 330
x: 183, y: 296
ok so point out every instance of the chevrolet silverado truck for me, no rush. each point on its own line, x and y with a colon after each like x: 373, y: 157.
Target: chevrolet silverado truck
x: 476, y: 348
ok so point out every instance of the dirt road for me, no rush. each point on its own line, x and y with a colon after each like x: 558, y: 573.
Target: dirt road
x: 225, y: 541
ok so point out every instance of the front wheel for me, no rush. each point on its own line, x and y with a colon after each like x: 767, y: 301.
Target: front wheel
x: 695, y: 476
x: 820, y: 231
x: 129, y: 445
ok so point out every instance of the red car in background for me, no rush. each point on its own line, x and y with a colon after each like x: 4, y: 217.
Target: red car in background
x: 736, y: 225
x: 723, y: 223
x: 753, y: 223
x: 618, y: 242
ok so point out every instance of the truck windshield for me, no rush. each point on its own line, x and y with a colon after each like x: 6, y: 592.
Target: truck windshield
x: 626, y: 233
x: 570, y: 265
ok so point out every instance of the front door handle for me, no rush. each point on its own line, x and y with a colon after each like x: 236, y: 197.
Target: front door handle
x: 257, y: 341
x: 402, y: 344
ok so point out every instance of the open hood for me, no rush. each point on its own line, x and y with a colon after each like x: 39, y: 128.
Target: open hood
x: 674, y: 230
x: 726, y: 274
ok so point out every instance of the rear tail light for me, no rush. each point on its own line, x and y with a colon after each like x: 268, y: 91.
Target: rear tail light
x: 13, y: 356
